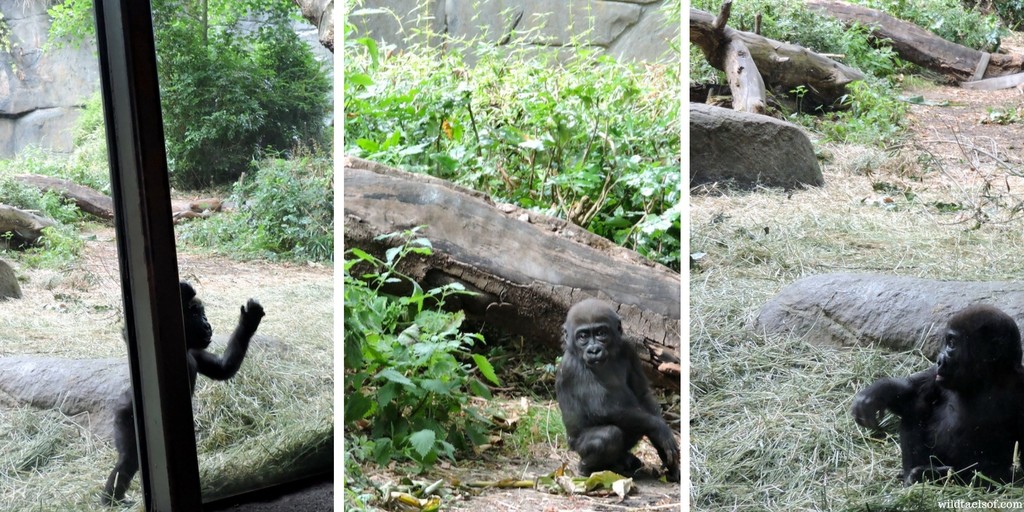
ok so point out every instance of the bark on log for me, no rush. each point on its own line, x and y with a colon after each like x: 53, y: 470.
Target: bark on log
x: 731, y: 55
x: 321, y: 14
x: 527, y: 268
x: 25, y: 227
x: 917, y: 45
x: 781, y: 65
x: 87, y: 199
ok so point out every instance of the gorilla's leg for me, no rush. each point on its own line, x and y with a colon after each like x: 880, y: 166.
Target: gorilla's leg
x: 127, y: 453
x: 606, y: 447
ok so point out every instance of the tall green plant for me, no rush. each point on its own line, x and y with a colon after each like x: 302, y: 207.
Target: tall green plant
x: 228, y: 95
x: 409, y: 373
x: 590, y: 140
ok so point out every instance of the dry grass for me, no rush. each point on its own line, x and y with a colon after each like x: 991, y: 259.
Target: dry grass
x: 770, y: 426
x: 261, y: 426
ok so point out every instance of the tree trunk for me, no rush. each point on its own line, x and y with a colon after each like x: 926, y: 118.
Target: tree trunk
x: 528, y: 269
x: 20, y: 228
x: 321, y: 14
x: 781, y: 65
x: 917, y: 45
x: 731, y: 55
x: 87, y: 199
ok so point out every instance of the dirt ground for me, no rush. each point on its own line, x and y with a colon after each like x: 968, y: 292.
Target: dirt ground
x: 542, y: 459
x: 970, y: 137
x: 76, y: 312
x: 505, y: 462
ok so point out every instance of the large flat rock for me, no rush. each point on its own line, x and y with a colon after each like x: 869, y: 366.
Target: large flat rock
x: 898, y: 313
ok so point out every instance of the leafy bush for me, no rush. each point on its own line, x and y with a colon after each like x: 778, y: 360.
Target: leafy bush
x: 947, y: 19
x: 587, y: 139
x: 408, y: 369
x: 285, y: 210
x: 228, y: 95
x: 1010, y: 11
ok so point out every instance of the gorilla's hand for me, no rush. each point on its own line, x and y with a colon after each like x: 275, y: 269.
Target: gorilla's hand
x: 867, y: 409
x: 252, y: 313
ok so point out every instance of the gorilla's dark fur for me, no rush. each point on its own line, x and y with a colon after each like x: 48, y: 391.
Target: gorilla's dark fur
x: 198, y: 336
x: 606, y: 402
x: 963, y: 415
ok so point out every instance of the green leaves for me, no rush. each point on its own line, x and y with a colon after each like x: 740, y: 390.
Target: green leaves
x: 408, y: 366
x: 593, y: 143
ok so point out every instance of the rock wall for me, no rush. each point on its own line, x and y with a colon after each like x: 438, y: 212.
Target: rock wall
x: 41, y: 94
x: 628, y: 29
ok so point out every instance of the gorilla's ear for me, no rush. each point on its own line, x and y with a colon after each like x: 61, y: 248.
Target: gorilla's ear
x: 566, y: 342
x: 187, y: 292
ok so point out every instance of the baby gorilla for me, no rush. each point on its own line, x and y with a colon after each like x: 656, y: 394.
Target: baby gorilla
x: 606, y: 403
x: 198, y: 336
x: 964, y: 414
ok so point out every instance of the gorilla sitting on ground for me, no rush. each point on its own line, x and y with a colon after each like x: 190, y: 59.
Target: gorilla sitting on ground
x: 606, y: 402
x: 963, y: 415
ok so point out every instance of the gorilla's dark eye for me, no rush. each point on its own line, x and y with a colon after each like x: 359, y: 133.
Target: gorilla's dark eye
x: 601, y: 332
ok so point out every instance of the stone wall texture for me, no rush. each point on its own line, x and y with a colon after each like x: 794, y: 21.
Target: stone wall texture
x: 41, y: 93
x: 628, y: 29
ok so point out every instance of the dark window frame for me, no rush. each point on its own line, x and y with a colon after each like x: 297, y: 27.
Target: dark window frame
x: 147, y: 255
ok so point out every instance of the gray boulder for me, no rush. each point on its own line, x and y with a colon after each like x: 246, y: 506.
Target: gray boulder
x: 746, y: 150
x: 9, y: 287
x: 86, y: 390
x: 898, y: 313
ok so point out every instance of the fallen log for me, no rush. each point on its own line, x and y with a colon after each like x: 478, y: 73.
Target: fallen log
x: 730, y: 54
x: 915, y: 44
x: 527, y: 268
x: 781, y: 65
x: 86, y: 199
x: 21, y: 228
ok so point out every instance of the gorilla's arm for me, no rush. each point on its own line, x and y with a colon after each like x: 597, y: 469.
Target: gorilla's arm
x: 634, y: 409
x: 224, y: 367
x: 637, y: 381
x: 896, y: 395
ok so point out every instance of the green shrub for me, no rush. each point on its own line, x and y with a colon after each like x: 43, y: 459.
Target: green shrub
x: 47, y: 204
x: 228, y: 96
x: 585, y: 138
x: 408, y: 369
x: 285, y: 210
x: 948, y: 19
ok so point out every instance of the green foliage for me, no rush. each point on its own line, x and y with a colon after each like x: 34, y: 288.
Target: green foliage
x: 586, y: 138
x: 947, y: 19
x: 285, y: 211
x: 874, y: 116
x: 408, y: 369
x: 228, y: 96
x: 5, y: 34
x: 48, y: 204
x: 1010, y: 11
x: 59, y: 246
